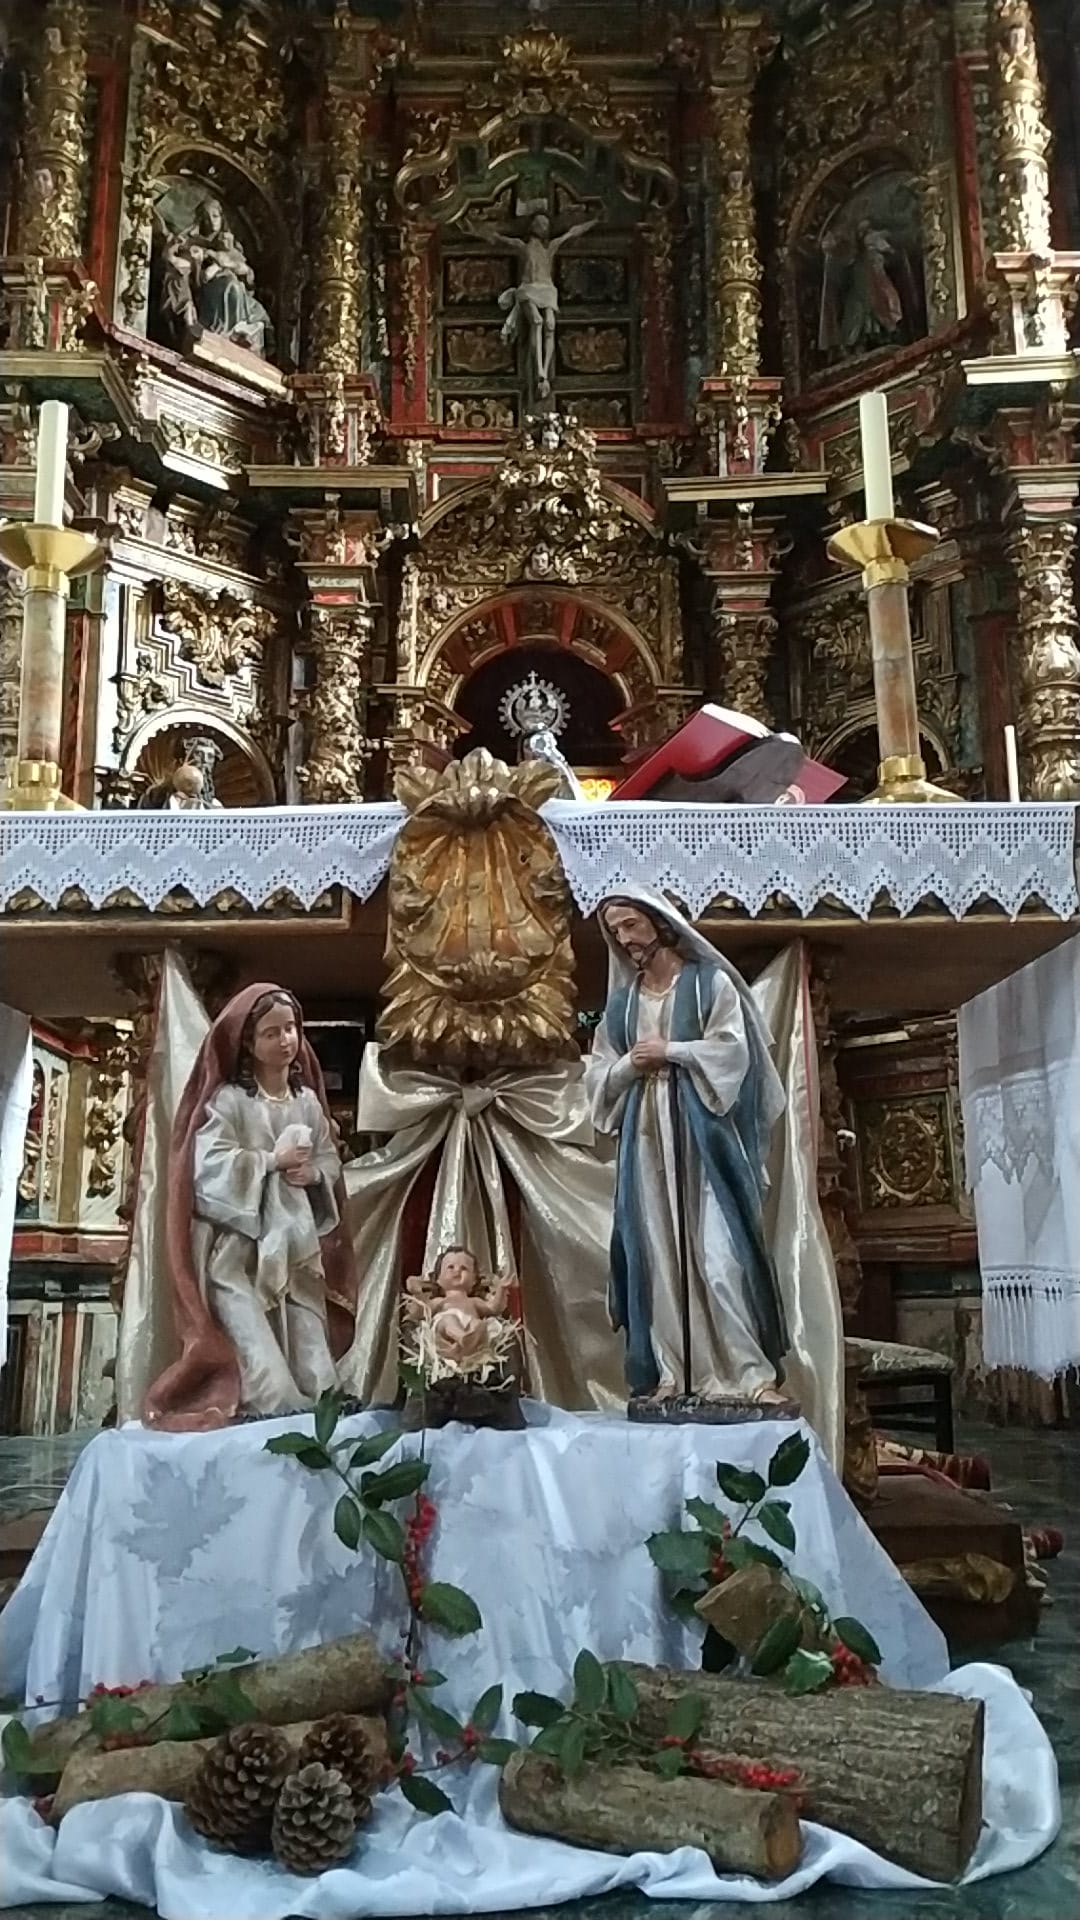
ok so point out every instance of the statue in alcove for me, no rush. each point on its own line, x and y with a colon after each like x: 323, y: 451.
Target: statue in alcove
x: 870, y: 271
x: 533, y: 305
x: 201, y: 276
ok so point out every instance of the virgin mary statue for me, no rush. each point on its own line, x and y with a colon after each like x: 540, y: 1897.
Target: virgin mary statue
x: 262, y: 1278
x: 721, y: 1274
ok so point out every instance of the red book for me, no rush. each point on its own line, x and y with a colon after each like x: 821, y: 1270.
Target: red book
x: 718, y: 756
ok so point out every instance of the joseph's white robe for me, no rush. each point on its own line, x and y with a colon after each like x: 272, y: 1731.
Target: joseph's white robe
x: 726, y: 1359
x: 255, y: 1243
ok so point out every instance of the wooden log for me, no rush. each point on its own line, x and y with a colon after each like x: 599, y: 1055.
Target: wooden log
x: 900, y: 1771
x: 167, y: 1769
x: 745, y: 1605
x: 627, y: 1810
x: 345, y: 1676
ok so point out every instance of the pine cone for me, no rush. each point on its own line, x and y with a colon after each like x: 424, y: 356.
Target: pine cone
x: 341, y: 1741
x: 231, y: 1800
x: 314, y: 1823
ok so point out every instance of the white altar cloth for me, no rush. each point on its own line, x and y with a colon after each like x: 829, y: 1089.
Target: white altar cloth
x: 953, y: 855
x: 166, y: 1550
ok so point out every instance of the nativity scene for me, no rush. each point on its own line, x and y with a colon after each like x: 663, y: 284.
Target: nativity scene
x: 539, y: 702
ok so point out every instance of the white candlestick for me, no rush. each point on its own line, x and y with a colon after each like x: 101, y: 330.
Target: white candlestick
x: 876, y: 457
x: 51, y: 465
x: 1012, y: 764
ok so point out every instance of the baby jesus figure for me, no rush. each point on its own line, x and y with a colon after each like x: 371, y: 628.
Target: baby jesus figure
x: 457, y: 1321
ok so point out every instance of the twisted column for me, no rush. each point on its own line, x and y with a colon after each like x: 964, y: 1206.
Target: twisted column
x: 1048, y: 657
x: 51, y: 214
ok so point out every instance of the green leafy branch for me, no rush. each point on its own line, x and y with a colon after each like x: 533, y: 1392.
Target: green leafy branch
x: 212, y: 1700
x: 806, y: 1646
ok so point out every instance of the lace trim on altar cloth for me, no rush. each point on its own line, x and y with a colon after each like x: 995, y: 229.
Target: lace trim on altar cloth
x: 845, y: 855
x: 1031, y: 1319
x: 1030, y: 1121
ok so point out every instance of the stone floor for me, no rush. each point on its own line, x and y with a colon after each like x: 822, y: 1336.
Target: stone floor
x: 1036, y: 1473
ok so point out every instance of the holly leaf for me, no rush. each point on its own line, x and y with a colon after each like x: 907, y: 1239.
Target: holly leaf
x: 224, y: 1695
x: 537, y: 1709
x: 327, y: 1414
x: 406, y: 1477
x: 423, y: 1794
x: 622, y: 1693
x: 776, y: 1647
x: 682, y: 1553
x: 550, y: 1739
x: 709, y: 1518
x: 442, y: 1724
x: 372, y: 1449
x: 109, y: 1715
x: 487, y: 1710
x: 384, y: 1533
x: 432, y: 1678
x: 348, y: 1522
x: 684, y: 1601
x: 684, y: 1720
x: 184, y: 1721
x: 807, y: 1672
x: 810, y: 1595
x: 571, y: 1754
x: 497, y: 1752
x: 412, y: 1378
x: 789, y: 1460
x: 590, y: 1683
x: 739, y: 1484
x: 741, y: 1553
x: 772, y: 1518
x: 315, y: 1458
x: 449, y: 1608
x: 857, y: 1639
x: 239, y: 1656
x: 19, y: 1756
x: 297, y: 1443
x: 669, y: 1762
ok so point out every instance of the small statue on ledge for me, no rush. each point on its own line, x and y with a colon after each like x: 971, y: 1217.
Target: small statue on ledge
x: 457, y: 1338
x: 264, y: 1289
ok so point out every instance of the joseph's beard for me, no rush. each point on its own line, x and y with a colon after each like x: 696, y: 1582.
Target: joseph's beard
x: 642, y: 957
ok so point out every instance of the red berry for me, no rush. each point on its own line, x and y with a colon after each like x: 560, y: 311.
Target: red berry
x: 408, y: 1763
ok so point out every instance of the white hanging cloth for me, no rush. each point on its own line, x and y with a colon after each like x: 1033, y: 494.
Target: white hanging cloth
x: 16, y: 1080
x: 1020, y: 1091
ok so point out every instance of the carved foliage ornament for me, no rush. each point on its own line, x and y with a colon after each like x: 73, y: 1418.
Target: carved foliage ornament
x: 218, y: 632
x: 478, y: 920
x: 210, y: 79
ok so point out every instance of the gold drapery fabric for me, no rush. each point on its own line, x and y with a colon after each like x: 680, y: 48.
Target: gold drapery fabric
x: 146, y: 1341
x: 530, y: 1124
x: 814, y: 1368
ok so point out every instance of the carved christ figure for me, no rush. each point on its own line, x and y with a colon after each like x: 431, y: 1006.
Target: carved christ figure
x: 534, y: 302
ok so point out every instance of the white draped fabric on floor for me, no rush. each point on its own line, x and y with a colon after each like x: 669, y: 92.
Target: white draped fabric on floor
x: 167, y: 1550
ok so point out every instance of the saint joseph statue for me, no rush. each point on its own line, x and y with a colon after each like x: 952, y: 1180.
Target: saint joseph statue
x: 681, y: 1071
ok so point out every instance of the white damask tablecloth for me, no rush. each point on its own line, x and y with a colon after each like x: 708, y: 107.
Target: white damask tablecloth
x: 955, y: 855
x: 165, y: 1551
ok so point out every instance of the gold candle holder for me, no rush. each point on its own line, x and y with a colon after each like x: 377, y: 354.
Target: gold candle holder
x: 882, y: 549
x: 48, y: 558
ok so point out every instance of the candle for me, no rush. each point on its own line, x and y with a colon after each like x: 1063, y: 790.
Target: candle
x: 1012, y: 764
x: 51, y: 465
x: 876, y: 458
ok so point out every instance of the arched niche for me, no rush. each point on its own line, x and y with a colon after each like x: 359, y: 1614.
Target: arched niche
x: 859, y: 281
x: 242, y: 776
x: 217, y: 254
x: 853, y: 750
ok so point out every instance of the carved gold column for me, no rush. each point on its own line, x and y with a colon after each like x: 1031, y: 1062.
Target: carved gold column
x: 1047, y: 656
x: 739, y: 559
x: 337, y: 292
x: 1022, y: 136
x: 56, y: 153
x: 339, y: 638
x: 736, y: 407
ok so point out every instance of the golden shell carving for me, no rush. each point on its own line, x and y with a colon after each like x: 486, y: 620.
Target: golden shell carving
x: 478, y: 941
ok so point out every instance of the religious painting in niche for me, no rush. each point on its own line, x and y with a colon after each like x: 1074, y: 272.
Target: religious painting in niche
x: 201, y: 274
x: 861, y: 283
